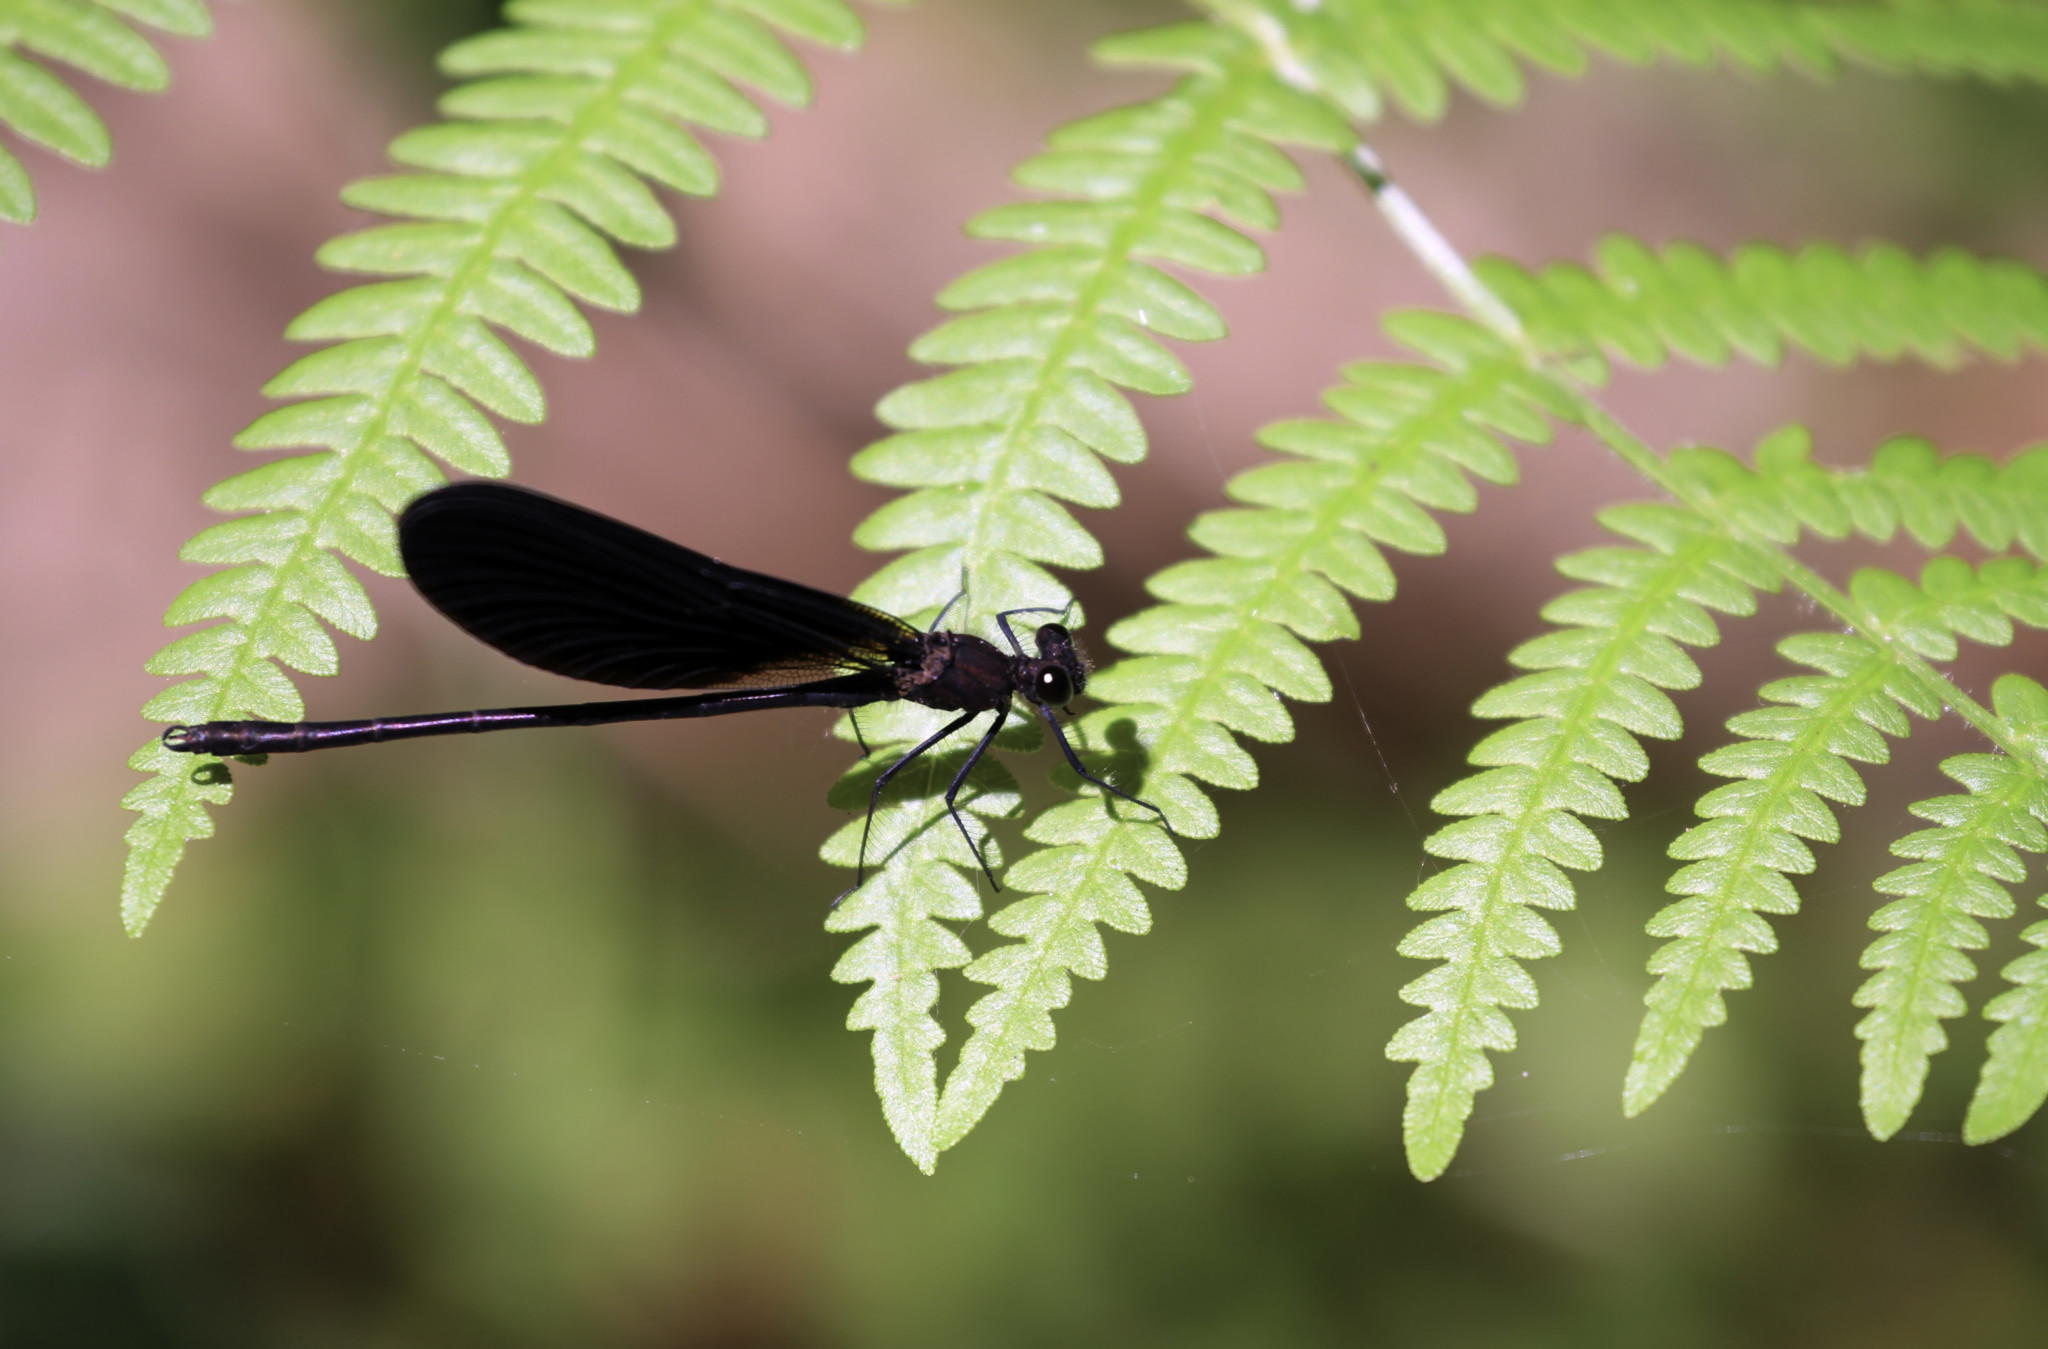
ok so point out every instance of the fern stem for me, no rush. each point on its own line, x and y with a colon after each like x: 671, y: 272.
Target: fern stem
x: 1433, y: 249
x: 1403, y: 214
x: 1646, y: 461
x: 1849, y: 611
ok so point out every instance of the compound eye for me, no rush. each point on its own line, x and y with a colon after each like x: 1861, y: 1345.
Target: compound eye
x: 1055, y: 689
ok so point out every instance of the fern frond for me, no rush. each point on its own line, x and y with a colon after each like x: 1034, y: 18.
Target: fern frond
x: 2014, y: 1080
x: 89, y: 36
x: 1644, y: 307
x: 581, y: 104
x: 1954, y: 882
x: 1212, y: 662
x: 1599, y: 684
x: 921, y: 887
x: 992, y: 449
x: 1416, y: 52
x: 1793, y: 756
x: 1908, y: 485
x: 1082, y: 878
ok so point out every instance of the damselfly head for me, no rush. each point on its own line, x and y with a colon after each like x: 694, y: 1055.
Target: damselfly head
x: 1059, y: 673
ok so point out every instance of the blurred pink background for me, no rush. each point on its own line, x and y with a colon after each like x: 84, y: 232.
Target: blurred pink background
x: 148, y: 301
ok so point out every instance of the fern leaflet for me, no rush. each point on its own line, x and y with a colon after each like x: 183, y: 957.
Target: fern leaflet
x: 2014, y: 1081
x: 1415, y: 52
x: 577, y: 105
x: 1933, y: 921
x: 1794, y: 755
x: 929, y: 882
x: 90, y: 36
x: 1908, y: 485
x: 1033, y: 409
x: 1643, y: 307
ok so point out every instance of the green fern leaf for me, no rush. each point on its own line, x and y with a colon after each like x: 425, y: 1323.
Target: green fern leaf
x: 1794, y: 758
x: 1644, y: 307
x: 1598, y: 684
x: 2014, y: 1081
x: 1416, y: 52
x: 991, y: 451
x: 1953, y: 882
x: 88, y: 36
x: 920, y: 883
x: 512, y: 217
x: 1908, y: 486
x: 1081, y: 879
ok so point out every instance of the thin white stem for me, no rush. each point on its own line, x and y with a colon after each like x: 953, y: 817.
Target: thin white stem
x: 1415, y: 229
x: 1408, y: 220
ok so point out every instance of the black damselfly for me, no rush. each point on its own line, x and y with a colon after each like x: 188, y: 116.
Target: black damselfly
x: 577, y: 593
